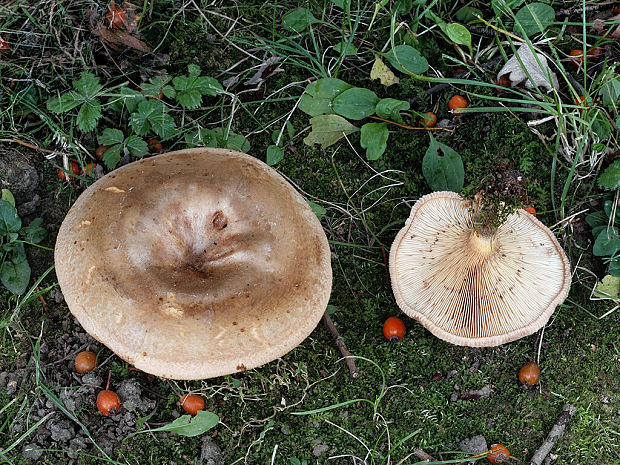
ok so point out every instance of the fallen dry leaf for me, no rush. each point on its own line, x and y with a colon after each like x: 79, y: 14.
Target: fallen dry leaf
x: 383, y: 73
x: 540, y: 74
x: 117, y: 38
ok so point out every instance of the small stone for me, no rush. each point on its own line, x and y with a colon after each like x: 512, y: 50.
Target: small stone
x: 62, y: 430
x: 32, y: 451
x: 130, y: 394
x: 319, y: 449
x: 210, y: 453
x: 4, y: 376
x: 474, y: 445
x: 92, y: 379
x: 11, y: 387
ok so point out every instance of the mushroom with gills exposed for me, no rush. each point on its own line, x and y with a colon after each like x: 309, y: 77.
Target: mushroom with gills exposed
x: 471, y: 286
x: 187, y: 264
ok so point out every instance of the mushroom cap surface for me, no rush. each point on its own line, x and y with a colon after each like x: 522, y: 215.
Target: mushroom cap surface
x: 476, y: 291
x: 194, y: 264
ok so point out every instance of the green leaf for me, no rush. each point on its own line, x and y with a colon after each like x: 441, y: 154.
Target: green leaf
x: 152, y: 115
x: 111, y: 136
x: 236, y: 142
x: 15, y: 277
x: 10, y: 222
x: 129, y: 98
x: 614, y: 267
x: 610, y: 179
x: 607, y: 243
x: 155, y: 86
x: 468, y: 14
x: 328, y: 129
x: 331, y: 309
x: 502, y: 7
x: 201, y: 137
x: 34, y: 232
x: 458, y: 34
x: 189, y: 426
x: 64, y: 102
x: 608, y: 288
x: 535, y: 18
x: 390, y: 108
x: 601, y: 126
x: 17, y: 251
x: 88, y: 85
x: 596, y: 219
x: 274, y: 155
x: 374, y: 138
x: 318, y: 210
x: 356, y: 103
x: 442, y: 167
x: 298, y: 20
x: 402, y: 7
x: 610, y: 91
x: 190, y: 89
x: 8, y: 196
x: 318, y: 96
x: 112, y: 156
x: 136, y: 146
x: 89, y: 114
x: 345, y: 48
x: 407, y: 59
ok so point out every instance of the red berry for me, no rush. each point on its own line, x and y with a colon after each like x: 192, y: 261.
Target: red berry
x: 4, y: 45
x: 531, y: 210
x: 73, y: 167
x: 394, y: 329
x: 499, y: 454
x: 191, y: 403
x: 576, y: 58
x: 430, y: 120
x: 456, y: 103
x: 108, y: 403
x: 85, y: 362
x: 529, y: 374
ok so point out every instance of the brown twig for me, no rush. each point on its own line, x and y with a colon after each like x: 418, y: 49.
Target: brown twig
x: 45, y: 307
x: 556, y: 433
x: 419, y: 453
x: 406, y: 126
x: 350, y: 361
x: 26, y: 144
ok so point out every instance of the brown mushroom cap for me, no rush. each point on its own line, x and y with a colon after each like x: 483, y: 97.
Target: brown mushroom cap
x: 194, y: 264
x: 471, y: 290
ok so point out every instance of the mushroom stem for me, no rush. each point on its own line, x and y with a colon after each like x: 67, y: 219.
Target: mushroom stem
x: 355, y: 373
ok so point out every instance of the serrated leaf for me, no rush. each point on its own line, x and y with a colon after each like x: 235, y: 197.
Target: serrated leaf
x: 112, y: 156
x: 390, y: 108
x: 10, y: 222
x: 7, y: 195
x: 189, y: 426
x: 374, y: 138
x: 111, y: 136
x: 155, y: 86
x: 407, y: 59
x: 190, y: 89
x: 89, y: 114
x: 88, y: 85
x: 129, y: 98
x: 274, y: 155
x: 64, y: 102
x: 607, y: 243
x: 442, y: 167
x: 534, y: 18
x: 152, y: 114
x: 458, y: 34
x: 608, y: 288
x: 328, y: 129
x: 136, y: 146
x: 385, y: 75
x: 15, y: 277
x: 298, y: 20
x: 610, y: 179
x: 356, y: 103
x: 318, y: 210
x: 34, y: 232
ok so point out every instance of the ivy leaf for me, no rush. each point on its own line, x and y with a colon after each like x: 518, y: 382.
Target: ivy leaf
x: 407, y: 59
x: 34, y: 232
x: 390, y: 108
x: 10, y: 222
x: 189, y: 426
x: 298, y: 20
x: 15, y: 276
x: 442, y: 167
x: 136, y: 146
x: 328, y: 129
x: 89, y: 114
x: 356, y: 103
x: 112, y: 156
x: 374, y: 138
x: 610, y: 179
x: 274, y: 155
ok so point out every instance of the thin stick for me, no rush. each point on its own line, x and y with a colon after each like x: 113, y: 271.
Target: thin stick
x: 26, y: 144
x: 406, y: 126
x: 419, y: 453
x: 355, y: 373
x: 556, y: 433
